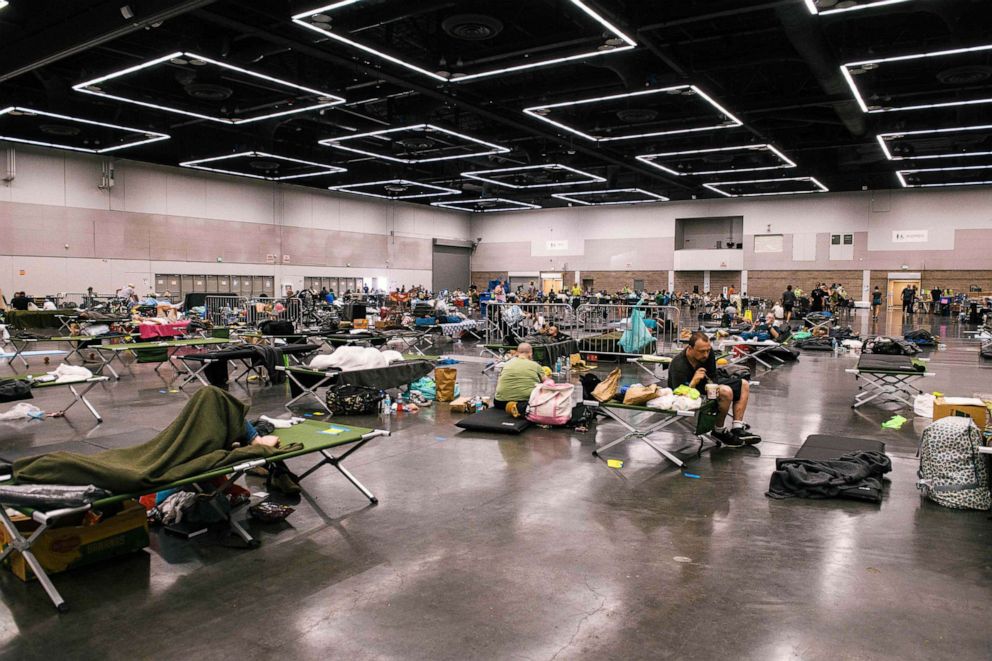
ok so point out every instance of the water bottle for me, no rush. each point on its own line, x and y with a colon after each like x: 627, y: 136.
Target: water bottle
x: 478, y: 405
x: 387, y: 405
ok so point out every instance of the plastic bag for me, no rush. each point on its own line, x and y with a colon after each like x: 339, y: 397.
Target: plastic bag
x: 21, y: 411
x: 923, y: 405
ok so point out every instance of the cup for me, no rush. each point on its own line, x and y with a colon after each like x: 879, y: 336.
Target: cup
x: 711, y: 390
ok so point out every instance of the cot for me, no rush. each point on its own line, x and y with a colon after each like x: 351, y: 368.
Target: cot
x: 702, y: 422
x: 758, y: 349
x: 108, y: 353
x: 314, y: 437
x: 650, y: 363
x: 77, y: 396
x: 305, y: 381
x: 202, y: 360
x: 887, y: 377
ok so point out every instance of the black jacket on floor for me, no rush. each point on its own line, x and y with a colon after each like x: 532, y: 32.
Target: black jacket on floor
x: 856, y: 475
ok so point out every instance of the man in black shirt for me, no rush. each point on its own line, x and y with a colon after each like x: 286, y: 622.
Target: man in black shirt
x: 816, y: 299
x: 788, y: 302
x: 20, y: 301
x: 695, y: 366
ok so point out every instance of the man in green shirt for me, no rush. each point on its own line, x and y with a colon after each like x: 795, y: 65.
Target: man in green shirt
x: 517, y: 380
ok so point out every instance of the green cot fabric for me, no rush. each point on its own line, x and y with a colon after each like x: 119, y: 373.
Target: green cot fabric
x: 197, y: 441
x: 36, y: 319
x: 518, y: 379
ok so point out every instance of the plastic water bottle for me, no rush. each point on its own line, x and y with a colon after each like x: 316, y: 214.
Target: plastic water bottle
x: 478, y: 405
x: 387, y: 405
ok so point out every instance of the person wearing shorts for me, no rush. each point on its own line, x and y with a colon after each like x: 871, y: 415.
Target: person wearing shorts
x: 788, y: 302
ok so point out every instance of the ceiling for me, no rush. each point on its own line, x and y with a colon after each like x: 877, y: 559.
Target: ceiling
x: 526, y: 102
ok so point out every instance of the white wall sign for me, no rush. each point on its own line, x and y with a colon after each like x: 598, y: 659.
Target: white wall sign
x: 556, y: 245
x: 910, y: 236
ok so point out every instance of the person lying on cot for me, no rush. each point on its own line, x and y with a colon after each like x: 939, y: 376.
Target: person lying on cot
x: 764, y: 329
x: 695, y: 366
x: 519, y: 377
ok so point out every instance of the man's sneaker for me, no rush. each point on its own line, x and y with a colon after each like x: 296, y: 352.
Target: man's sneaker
x: 746, y: 436
x: 727, y: 438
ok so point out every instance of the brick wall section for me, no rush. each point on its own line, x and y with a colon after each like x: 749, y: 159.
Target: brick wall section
x: 686, y: 280
x: 721, y: 279
x: 481, y: 278
x: 613, y: 281
x: 959, y: 281
x: 771, y: 284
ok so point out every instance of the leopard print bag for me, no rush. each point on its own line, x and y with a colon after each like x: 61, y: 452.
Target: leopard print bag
x: 952, y: 472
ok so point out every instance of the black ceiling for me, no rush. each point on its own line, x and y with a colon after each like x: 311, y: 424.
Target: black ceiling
x: 718, y: 97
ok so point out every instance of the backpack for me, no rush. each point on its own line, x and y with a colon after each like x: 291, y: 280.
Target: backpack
x: 353, y: 400
x: 12, y: 390
x: 276, y: 327
x: 551, y: 404
x: 890, y: 346
x: 952, y: 472
x: 921, y: 337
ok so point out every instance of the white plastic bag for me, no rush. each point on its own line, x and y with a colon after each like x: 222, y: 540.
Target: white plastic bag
x: 923, y: 405
x: 21, y: 411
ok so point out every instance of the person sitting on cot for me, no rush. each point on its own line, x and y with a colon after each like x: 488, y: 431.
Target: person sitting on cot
x: 695, y: 366
x: 517, y: 380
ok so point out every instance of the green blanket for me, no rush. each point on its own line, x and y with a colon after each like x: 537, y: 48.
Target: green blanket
x: 199, y: 440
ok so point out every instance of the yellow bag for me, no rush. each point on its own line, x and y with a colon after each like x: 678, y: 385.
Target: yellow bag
x: 608, y: 387
x: 575, y: 359
x: 638, y: 394
x: 747, y: 315
x: 444, y: 383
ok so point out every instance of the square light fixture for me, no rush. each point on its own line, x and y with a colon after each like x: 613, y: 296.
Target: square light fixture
x: 260, y: 165
x: 970, y: 175
x: 679, y: 97
x: 611, y: 196
x: 395, y: 189
x: 208, y: 83
x: 486, y: 205
x: 74, y: 133
x: 419, y: 143
x: 702, y: 161
x: 484, y: 28
x: 562, y: 175
x: 849, y: 5
x: 933, y: 143
x: 910, y: 68
x: 756, y: 187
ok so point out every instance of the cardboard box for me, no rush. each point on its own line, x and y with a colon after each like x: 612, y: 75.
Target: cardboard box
x: 968, y: 407
x: 360, y: 323
x: 71, y: 546
x: 461, y: 404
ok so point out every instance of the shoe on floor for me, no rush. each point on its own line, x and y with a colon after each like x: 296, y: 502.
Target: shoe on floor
x: 746, y: 436
x: 285, y: 484
x: 727, y: 438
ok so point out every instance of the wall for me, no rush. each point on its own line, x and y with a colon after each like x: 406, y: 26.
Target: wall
x: 641, y: 238
x: 64, y: 233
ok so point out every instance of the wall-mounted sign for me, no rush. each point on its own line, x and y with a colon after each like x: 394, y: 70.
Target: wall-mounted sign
x: 556, y: 245
x: 22, y: 272
x: 910, y: 236
x: 285, y: 259
x: 270, y: 259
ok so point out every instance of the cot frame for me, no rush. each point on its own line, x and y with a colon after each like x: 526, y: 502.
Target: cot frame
x: 890, y: 385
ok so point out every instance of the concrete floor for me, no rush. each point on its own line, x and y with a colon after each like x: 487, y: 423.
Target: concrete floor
x: 528, y: 547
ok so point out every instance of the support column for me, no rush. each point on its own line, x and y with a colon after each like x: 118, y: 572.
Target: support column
x: 671, y: 281
x: 743, y: 282
x: 866, y: 286
x: 706, y: 281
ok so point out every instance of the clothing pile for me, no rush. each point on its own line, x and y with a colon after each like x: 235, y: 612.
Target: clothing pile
x: 890, y: 346
x: 856, y: 475
x: 349, y: 359
x: 682, y: 398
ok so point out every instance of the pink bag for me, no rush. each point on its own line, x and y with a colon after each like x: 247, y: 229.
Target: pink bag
x: 551, y: 403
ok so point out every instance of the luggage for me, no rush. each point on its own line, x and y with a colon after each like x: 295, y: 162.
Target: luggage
x: 921, y: 337
x: 276, y: 327
x: 12, y: 390
x: 815, y: 344
x: 890, y: 346
x: 952, y: 472
x: 353, y: 400
x: 551, y: 404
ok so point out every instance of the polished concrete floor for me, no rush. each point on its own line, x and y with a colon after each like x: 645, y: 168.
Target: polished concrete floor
x: 489, y: 547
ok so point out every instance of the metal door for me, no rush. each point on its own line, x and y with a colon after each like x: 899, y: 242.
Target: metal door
x: 224, y: 284
x: 213, y: 284
x: 268, y: 285
x: 200, y: 284
x: 187, y: 287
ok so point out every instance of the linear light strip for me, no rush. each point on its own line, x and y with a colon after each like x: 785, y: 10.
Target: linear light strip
x: 590, y: 178
x: 537, y: 112
x: 573, y: 197
x: 84, y: 87
x: 786, y: 161
x: 813, y: 9
x: 845, y: 71
x: 325, y: 169
x: 347, y: 188
x: 900, y: 174
x: 300, y: 19
x: 459, y: 205
x: 336, y: 142
x: 715, y: 186
x: 154, y: 135
x: 881, y: 138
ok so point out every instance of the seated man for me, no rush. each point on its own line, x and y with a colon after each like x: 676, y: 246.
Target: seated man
x: 695, y: 366
x: 765, y: 329
x: 516, y: 381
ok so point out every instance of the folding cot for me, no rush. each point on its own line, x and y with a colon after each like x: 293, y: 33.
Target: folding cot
x: 650, y: 363
x: 76, y: 342
x: 758, y: 348
x: 306, y: 438
x: 306, y: 381
x: 362, y: 339
x: 108, y: 353
x: 245, y: 354
x: 702, y: 421
x: 77, y: 396
x: 888, y: 377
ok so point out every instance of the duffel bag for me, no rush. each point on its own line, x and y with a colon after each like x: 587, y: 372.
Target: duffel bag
x: 550, y: 403
x: 353, y: 400
x: 12, y: 390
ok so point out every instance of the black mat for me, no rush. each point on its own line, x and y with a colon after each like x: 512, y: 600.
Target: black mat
x: 494, y: 421
x: 875, y: 362
x: 825, y: 447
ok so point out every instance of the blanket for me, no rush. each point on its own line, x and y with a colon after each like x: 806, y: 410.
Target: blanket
x: 351, y: 359
x: 856, y: 475
x: 200, y: 439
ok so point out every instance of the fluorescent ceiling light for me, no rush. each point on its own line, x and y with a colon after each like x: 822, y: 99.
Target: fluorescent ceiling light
x: 323, y: 169
x: 716, y: 187
x: 93, y: 87
x: 884, y: 137
x: 846, y: 71
x: 490, y: 204
x: 326, y: 30
x: 146, y: 136
x: 577, y: 196
x: 813, y: 9
x: 589, y: 178
x: 901, y: 175
x: 430, y: 190
x: 540, y: 113
x: 490, y: 148
x: 786, y: 162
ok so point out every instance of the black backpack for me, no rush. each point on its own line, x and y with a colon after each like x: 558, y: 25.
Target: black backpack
x: 921, y: 337
x: 12, y: 390
x: 276, y: 327
x: 589, y: 383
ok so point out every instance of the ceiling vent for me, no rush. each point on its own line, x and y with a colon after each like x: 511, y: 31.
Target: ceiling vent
x: 472, y: 27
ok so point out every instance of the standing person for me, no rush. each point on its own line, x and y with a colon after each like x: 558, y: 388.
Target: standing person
x: 907, y: 300
x: 816, y: 299
x: 499, y: 294
x: 935, y: 299
x: 876, y: 303
x: 788, y: 302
